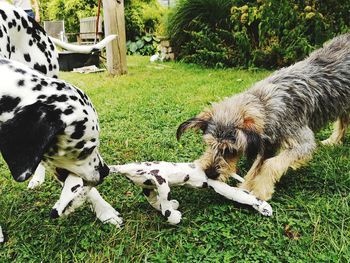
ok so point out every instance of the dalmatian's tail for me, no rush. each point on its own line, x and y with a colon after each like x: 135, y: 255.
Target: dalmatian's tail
x: 83, y: 49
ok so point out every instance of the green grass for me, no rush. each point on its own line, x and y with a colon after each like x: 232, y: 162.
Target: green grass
x: 139, y: 114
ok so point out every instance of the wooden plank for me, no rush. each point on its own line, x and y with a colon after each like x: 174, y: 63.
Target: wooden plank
x: 114, y: 23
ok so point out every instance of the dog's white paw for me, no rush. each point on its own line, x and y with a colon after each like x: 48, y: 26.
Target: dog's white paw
x: 330, y: 142
x: 38, y: 178
x: 263, y: 208
x: 174, y: 204
x: 108, y: 215
x: 173, y: 216
x: 2, y: 238
x: 34, y: 183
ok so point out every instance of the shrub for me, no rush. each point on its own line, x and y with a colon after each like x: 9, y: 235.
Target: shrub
x: 263, y: 33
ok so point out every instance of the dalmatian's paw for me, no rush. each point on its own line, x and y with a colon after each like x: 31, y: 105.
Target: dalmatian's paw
x: 34, y: 183
x: 108, y: 215
x: 263, y: 207
x: 174, y: 204
x: 173, y: 216
x: 38, y: 178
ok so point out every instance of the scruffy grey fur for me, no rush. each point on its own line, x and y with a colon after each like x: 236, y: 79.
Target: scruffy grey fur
x: 274, y: 121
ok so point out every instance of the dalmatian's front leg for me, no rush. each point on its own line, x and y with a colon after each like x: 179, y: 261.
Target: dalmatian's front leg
x: 72, y: 196
x: 38, y: 177
x: 152, y: 198
x: 2, y: 238
x: 241, y: 196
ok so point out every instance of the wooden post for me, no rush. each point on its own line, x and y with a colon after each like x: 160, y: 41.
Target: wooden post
x: 114, y: 22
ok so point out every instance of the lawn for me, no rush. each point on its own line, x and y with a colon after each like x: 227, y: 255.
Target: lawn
x: 139, y: 114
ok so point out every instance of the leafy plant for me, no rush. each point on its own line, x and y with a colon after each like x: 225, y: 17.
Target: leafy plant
x: 145, y: 45
x: 261, y: 33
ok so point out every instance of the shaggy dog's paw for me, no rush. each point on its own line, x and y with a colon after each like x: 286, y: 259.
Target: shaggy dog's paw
x: 173, y: 216
x: 108, y: 215
x: 263, y: 208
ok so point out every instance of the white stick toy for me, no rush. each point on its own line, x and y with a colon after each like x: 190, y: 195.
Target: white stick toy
x: 159, y: 176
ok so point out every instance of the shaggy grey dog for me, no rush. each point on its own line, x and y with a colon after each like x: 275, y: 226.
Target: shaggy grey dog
x: 274, y: 121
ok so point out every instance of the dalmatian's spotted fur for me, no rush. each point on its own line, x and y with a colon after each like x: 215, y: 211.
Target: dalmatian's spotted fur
x: 49, y: 120
x: 156, y: 178
x: 24, y: 40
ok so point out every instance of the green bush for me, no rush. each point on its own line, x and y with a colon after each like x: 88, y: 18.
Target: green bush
x: 142, y: 17
x: 262, y: 33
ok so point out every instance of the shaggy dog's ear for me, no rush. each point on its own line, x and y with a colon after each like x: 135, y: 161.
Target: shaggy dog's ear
x: 199, y: 122
x: 27, y: 136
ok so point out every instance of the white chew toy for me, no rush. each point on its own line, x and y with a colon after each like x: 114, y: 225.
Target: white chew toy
x: 156, y: 178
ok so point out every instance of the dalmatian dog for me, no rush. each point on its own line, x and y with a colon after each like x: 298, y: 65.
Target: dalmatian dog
x: 47, y: 120
x: 24, y: 40
x: 156, y: 178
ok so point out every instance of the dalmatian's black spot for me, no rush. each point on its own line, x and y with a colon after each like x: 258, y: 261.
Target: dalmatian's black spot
x: 20, y: 83
x: 146, y: 191
x: 191, y: 165
x: 167, y: 213
x: 43, y: 83
x: 74, y: 188
x: 73, y: 98
x: 80, y: 145
x: 205, y: 185
x: 8, y: 103
x: 3, y: 15
x: 160, y: 179
x: 16, y: 14
x: 79, y: 129
x: 156, y: 162
x: 41, y: 97
x: 169, y: 196
x: 245, y: 191
x: 85, y: 112
x: 148, y: 182
x: 37, y: 87
x: 27, y: 57
x: 40, y: 68
x: 187, y: 177
x: 68, y: 111
x: 148, y: 164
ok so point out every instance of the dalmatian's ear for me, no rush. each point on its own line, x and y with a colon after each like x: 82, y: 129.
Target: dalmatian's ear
x: 25, y: 138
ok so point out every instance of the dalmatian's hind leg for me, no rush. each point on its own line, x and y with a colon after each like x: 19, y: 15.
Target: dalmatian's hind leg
x: 241, y: 196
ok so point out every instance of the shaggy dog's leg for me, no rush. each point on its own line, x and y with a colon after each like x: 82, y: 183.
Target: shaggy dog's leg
x: 261, y: 181
x: 152, y: 198
x: 104, y: 211
x: 339, y: 131
x: 38, y: 177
